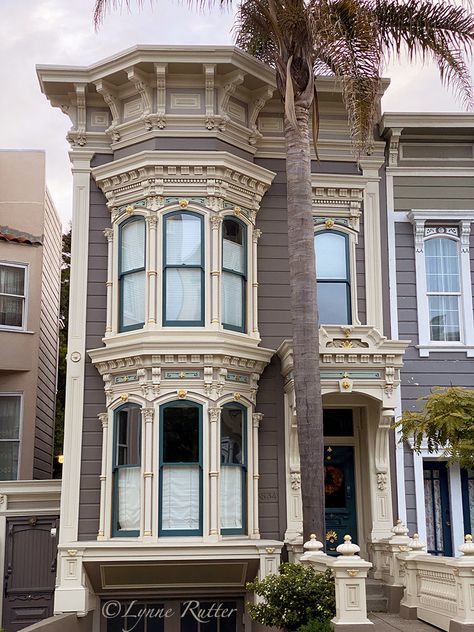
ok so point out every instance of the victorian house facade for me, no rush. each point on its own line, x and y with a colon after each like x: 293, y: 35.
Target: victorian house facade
x: 181, y: 471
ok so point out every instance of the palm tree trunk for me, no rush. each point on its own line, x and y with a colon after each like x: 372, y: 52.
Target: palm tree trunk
x: 305, y: 323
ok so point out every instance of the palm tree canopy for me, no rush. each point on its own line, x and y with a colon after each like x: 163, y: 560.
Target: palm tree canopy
x: 351, y: 40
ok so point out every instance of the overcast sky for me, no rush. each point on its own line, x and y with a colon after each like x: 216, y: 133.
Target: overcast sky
x: 61, y: 32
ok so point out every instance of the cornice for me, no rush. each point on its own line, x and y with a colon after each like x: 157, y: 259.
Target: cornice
x: 439, y: 120
x: 441, y: 215
x: 217, y: 174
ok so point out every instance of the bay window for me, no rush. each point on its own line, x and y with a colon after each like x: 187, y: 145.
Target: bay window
x: 234, y: 274
x: 12, y: 295
x: 333, y: 278
x: 233, y: 477
x: 10, y: 415
x: 443, y: 287
x: 127, y: 470
x: 180, y: 469
x: 132, y: 276
x: 183, y: 274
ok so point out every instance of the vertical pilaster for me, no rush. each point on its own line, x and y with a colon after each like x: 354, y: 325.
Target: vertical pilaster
x: 214, y: 470
x: 257, y: 233
x: 216, y: 223
x: 147, y: 452
x: 152, y: 274
x: 109, y: 235
x: 373, y: 273
x: 254, y: 527
x: 73, y: 414
x: 381, y: 488
x: 104, y: 419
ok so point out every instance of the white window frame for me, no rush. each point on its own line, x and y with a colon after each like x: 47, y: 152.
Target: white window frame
x: 463, y: 220
x: 25, y: 267
x: 20, y: 427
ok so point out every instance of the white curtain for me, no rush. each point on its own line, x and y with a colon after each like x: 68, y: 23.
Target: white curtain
x: 233, y: 256
x: 183, y: 240
x: 133, y: 298
x: 331, y: 255
x: 231, y: 497
x: 9, y: 416
x: 442, y: 265
x: 180, y: 498
x: 133, y: 246
x: 129, y: 498
x: 12, y: 283
x: 183, y: 294
x: 232, y: 299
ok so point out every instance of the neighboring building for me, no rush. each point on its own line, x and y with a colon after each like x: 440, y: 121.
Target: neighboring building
x: 430, y: 211
x: 30, y: 276
x: 181, y: 474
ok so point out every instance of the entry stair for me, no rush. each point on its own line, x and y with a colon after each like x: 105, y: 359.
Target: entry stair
x: 376, y: 600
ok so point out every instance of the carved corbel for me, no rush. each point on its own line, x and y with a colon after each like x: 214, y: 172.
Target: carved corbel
x: 419, y: 231
x: 381, y: 443
x: 108, y: 93
x: 230, y: 83
x: 158, y: 120
x: 209, y: 87
x: 394, y: 146
x: 259, y: 98
x: 140, y: 81
x: 465, y: 235
x: 77, y: 134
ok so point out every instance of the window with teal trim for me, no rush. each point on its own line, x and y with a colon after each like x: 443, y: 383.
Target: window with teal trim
x: 234, y: 274
x: 233, y: 477
x: 126, y: 471
x: 132, y: 274
x: 333, y: 277
x: 183, y: 274
x: 180, y: 469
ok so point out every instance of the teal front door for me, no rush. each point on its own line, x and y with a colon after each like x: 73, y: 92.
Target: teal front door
x: 341, y: 516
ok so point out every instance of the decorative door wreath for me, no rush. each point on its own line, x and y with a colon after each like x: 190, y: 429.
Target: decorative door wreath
x: 333, y: 479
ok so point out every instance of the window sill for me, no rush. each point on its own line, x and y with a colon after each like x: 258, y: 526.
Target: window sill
x: 425, y: 350
x: 15, y: 330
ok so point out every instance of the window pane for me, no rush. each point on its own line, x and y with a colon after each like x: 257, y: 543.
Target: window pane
x: 183, y: 239
x: 183, y: 294
x: 444, y: 318
x: 11, y: 311
x: 132, y: 245
x: 9, y: 416
x: 442, y: 265
x: 180, y: 497
x: 128, y: 484
x: 133, y: 299
x: 232, y: 295
x: 181, y: 434
x: 9, y: 460
x: 331, y: 255
x: 333, y: 304
x: 233, y: 251
x: 12, y: 280
x: 231, y: 498
x: 128, y: 436
x: 231, y: 436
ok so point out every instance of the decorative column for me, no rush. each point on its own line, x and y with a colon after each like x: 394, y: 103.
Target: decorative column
x: 147, y: 451
x: 104, y: 419
x: 214, y: 469
x: 380, y: 484
x: 257, y: 233
x: 254, y: 527
x: 152, y: 221
x: 109, y: 235
x: 216, y: 222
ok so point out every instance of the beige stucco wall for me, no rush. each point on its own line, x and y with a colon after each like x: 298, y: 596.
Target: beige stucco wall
x: 22, y: 210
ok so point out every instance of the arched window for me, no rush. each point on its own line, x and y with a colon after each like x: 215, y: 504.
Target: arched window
x: 333, y: 278
x: 183, y: 274
x: 180, y: 469
x: 233, y: 478
x: 132, y: 274
x: 234, y: 274
x: 126, y: 471
x: 443, y: 288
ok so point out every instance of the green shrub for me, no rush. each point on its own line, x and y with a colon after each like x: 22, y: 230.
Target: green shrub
x: 295, y: 597
x: 316, y: 626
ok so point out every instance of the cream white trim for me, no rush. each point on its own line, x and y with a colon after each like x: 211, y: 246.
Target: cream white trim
x: 463, y: 219
x: 76, y: 349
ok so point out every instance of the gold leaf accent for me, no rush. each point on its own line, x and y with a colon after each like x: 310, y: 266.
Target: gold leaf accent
x: 130, y: 208
x: 182, y: 393
x: 237, y: 210
x: 237, y: 396
x: 183, y: 203
x: 329, y: 223
x: 124, y: 397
